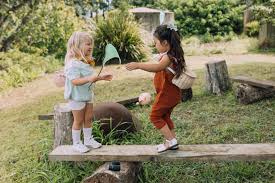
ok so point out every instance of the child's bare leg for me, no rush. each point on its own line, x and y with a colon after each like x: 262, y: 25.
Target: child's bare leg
x: 76, y: 131
x: 173, y: 133
x: 88, y: 115
x: 166, y: 132
x: 78, y: 119
x: 87, y: 130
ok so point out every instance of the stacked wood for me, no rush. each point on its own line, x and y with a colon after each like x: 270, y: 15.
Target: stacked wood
x: 217, y: 78
x: 247, y: 94
x: 128, y: 174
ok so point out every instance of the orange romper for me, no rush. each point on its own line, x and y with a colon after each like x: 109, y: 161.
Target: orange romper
x: 168, y: 96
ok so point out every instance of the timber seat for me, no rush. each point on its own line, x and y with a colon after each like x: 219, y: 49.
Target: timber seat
x: 140, y: 153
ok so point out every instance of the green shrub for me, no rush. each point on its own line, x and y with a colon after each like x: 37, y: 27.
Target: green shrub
x: 199, y: 17
x: 49, y: 30
x: 252, y: 29
x: 17, y: 67
x: 119, y: 29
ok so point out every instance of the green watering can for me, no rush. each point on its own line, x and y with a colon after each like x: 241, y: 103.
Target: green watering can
x: 110, y: 53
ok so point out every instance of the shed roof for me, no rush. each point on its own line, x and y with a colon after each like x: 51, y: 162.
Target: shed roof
x: 147, y: 10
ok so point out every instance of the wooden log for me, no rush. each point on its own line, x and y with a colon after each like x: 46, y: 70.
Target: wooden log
x: 217, y: 78
x: 254, y: 82
x: 128, y: 174
x: 63, y: 121
x: 247, y: 94
x: 140, y: 153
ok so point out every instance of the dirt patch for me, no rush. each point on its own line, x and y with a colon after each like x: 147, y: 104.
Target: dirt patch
x: 44, y: 85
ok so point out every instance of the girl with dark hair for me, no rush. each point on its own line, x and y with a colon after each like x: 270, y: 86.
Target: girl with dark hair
x: 167, y: 42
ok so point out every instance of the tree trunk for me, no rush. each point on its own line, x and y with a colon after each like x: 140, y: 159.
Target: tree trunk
x: 248, y: 17
x: 217, y: 78
x: 267, y: 35
x: 63, y: 121
x: 247, y: 94
x: 128, y: 174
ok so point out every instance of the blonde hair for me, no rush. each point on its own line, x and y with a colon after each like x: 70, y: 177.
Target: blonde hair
x: 75, y: 46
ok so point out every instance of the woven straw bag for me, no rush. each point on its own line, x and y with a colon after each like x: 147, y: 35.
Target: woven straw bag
x: 185, y: 80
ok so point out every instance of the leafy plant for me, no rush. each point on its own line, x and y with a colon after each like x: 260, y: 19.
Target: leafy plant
x: 265, y: 12
x: 47, y: 33
x: 119, y: 29
x: 252, y: 29
x: 17, y: 68
x: 199, y: 17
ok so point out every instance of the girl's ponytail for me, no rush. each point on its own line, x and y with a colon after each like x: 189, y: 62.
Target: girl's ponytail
x: 175, y: 54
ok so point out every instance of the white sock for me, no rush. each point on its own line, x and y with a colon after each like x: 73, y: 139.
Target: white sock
x: 87, y: 132
x: 76, y: 136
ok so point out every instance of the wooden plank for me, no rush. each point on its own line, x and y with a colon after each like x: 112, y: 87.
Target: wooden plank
x: 45, y: 116
x: 128, y: 101
x: 140, y: 153
x: 253, y: 82
x: 122, y: 102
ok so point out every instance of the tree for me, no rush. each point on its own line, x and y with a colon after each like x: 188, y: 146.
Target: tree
x: 265, y: 12
x: 13, y: 16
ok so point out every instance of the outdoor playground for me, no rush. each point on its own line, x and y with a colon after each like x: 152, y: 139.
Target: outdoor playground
x: 27, y: 91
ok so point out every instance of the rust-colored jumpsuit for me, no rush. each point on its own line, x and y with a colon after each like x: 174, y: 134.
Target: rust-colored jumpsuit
x: 168, y: 96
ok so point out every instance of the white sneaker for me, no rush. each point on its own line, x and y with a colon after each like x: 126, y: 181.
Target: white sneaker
x: 79, y: 147
x: 92, y: 143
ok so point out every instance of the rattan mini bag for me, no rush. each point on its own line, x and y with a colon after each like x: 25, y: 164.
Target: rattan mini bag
x: 185, y: 80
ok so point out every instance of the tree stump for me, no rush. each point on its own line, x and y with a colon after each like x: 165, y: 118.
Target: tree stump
x: 128, y: 174
x: 112, y: 117
x: 247, y: 94
x: 217, y: 78
x: 63, y: 121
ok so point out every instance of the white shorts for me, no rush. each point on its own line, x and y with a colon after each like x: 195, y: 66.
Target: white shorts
x: 76, y: 106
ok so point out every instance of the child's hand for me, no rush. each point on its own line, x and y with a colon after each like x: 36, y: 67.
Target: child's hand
x: 132, y: 66
x: 106, y: 77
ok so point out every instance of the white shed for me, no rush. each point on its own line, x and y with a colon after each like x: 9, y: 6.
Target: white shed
x: 151, y: 18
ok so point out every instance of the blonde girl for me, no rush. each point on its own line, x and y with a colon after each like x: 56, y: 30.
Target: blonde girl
x: 80, y: 75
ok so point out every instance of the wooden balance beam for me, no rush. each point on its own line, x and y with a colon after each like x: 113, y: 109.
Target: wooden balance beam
x: 140, y: 153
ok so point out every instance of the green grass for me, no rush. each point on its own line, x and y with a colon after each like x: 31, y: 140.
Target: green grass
x: 26, y: 141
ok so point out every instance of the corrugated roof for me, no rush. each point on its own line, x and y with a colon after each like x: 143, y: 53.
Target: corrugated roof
x: 146, y: 10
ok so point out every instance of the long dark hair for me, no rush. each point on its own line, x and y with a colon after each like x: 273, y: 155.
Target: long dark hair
x: 175, y: 54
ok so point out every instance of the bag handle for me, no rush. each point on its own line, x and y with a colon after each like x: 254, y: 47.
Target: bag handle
x: 171, y: 70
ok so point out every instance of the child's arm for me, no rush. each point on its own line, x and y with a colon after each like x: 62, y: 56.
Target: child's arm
x: 164, y: 62
x: 92, y: 79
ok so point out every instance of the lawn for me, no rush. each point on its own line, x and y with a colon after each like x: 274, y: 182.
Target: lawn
x: 207, y: 119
